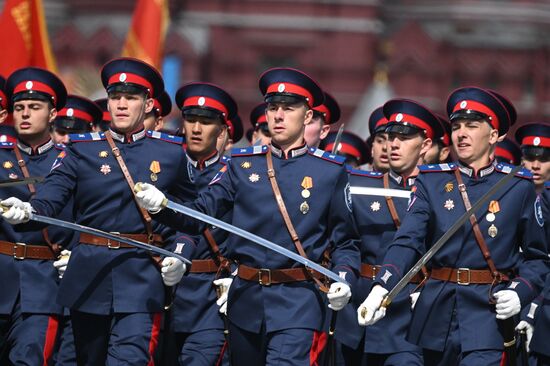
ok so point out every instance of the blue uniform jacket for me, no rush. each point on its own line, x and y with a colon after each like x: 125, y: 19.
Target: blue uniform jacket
x: 434, y: 207
x: 377, y: 229
x: 35, y: 281
x: 244, y: 187
x: 100, y: 280
x: 195, y: 306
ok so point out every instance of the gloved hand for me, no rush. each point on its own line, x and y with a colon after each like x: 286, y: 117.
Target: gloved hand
x: 338, y: 295
x: 528, y: 329
x: 370, y: 311
x: 18, y: 211
x: 223, y: 285
x: 414, y: 298
x: 61, y: 263
x: 172, y: 270
x: 507, y: 304
x: 149, y: 197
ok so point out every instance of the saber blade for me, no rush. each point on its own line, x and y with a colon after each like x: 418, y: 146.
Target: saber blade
x: 386, y: 192
x: 16, y: 182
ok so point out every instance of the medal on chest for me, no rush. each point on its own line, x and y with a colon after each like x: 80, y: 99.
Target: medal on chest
x: 307, y: 184
x: 154, y: 168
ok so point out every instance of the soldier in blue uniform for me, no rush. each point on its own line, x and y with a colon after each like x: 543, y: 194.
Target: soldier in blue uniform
x: 324, y: 115
x: 275, y: 310
x: 104, y: 123
x: 235, y: 132
x: 351, y: 147
x: 162, y: 106
x: 199, y: 327
x: 29, y: 320
x: 377, y: 141
x: 507, y: 151
x: 411, y: 130
x: 534, y: 139
x: 455, y: 317
x: 441, y: 147
x: 78, y: 116
x: 258, y: 119
x: 116, y: 292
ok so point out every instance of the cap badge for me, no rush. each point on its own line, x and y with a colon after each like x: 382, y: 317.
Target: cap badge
x: 254, y: 177
x: 449, y: 204
x: 201, y: 101
x: 449, y: 187
x: 399, y: 117
x: 103, y: 154
x: 105, y: 169
x: 29, y: 85
x: 7, y: 165
x: 375, y: 206
x: 281, y: 88
x: 463, y: 104
x: 536, y: 141
x: 70, y: 112
x: 122, y: 77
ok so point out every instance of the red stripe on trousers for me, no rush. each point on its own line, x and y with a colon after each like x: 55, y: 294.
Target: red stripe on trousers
x: 317, y: 347
x: 51, y: 335
x: 154, y: 337
x: 222, y: 352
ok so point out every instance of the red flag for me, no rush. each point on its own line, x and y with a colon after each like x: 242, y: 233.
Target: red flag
x: 24, y: 37
x: 145, y: 39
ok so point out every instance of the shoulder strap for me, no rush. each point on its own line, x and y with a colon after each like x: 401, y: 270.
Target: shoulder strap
x: 144, y: 214
x: 391, y: 205
x: 286, y: 217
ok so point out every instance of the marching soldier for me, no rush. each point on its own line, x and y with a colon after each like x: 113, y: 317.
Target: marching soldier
x: 378, y: 138
x: 258, y: 119
x: 534, y: 139
x: 351, y: 147
x: 324, y: 115
x: 480, y: 277
x: 441, y: 148
x: 275, y: 310
x: 233, y: 134
x: 29, y: 320
x: 78, y: 116
x: 115, y: 292
x: 199, y: 327
x: 162, y: 106
x: 410, y: 132
x: 105, y: 122
x: 508, y: 152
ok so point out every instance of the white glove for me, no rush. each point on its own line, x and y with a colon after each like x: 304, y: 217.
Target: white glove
x: 18, y: 212
x: 338, y: 295
x: 61, y: 263
x: 150, y: 198
x: 172, y: 270
x: 508, y: 304
x: 414, y: 298
x: 528, y: 329
x: 370, y: 311
x: 223, y: 285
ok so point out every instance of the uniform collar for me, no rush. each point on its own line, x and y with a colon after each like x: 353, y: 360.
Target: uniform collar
x: 400, y: 180
x: 35, y: 150
x: 205, y: 163
x: 470, y: 172
x: 298, y: 151
x: 128, y: 138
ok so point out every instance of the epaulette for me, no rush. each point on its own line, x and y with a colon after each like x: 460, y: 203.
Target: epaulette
x: 251, y: 150
x: 325, y: 155
x: 6, y: 145
x: 437, y: 168
x: 86, y: 137
x: 507, y: 168
x: 224, y: 160
x: 60, y: 146
x: 365, y: 173
x: 165, y: 137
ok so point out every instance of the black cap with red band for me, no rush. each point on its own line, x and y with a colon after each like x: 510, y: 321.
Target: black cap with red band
x: 36, y: 84
x: 350, y: 145
x: 329, y: 110
x: 78, y: 115
x: 377, y: 121
x: 287, y: 85
x: 162, y: 105
x: 508, y: 152
x: 236, y: 130
x: 130, y: 75
x: 534, y: 139
x: 408, y: 117
x: 206, y: 100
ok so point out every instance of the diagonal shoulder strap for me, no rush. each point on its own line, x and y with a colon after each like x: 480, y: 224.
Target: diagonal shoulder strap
x: 391, y: 205
x: 286, y: 217
x: 144, y: 214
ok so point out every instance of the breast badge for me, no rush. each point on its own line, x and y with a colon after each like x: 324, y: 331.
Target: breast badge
x: 105, y: 169
x: 449, y: 204
x: 253, y: 177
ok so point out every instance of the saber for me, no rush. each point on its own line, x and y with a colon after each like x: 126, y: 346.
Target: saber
x: 386, y: 192
x: 444, y: 238
x: 90, y: 230
x: 248, y: 236
x: 337, y: 140
x: 16, y: 182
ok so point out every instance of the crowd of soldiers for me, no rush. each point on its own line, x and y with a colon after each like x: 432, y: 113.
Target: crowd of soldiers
x: 75, y: 296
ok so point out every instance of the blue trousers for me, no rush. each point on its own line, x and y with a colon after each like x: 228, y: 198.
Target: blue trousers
x: 202, y: 348
x: 65, y: 354
x: 117, y: 339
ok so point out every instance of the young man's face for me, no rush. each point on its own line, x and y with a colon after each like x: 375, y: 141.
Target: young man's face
x: 405, y: 151
x: 152, y: 122
x: 379, y: 152
x: 287, y: 122
x: 201, y: 135
x: 128, y: 110
x: 540, y: 167
x: 60, y: 136
x: 473, y: 140
x: 32, y: 117
x: 316, y: 131
x: 436, y: 155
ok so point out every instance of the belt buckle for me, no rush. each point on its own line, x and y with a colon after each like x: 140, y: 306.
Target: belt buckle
x: 262, y: 273
x: 15, y: 247
x: 458, y: 276
x: 110, y: 245
x: 375, y: 270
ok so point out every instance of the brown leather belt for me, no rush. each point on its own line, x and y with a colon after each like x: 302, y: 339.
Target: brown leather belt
x: 266, y: 276
x: 371, y: 270
x: 465, y: 276
x: 203, y: 266
x: 25, y: 251
x: 114, y: 244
